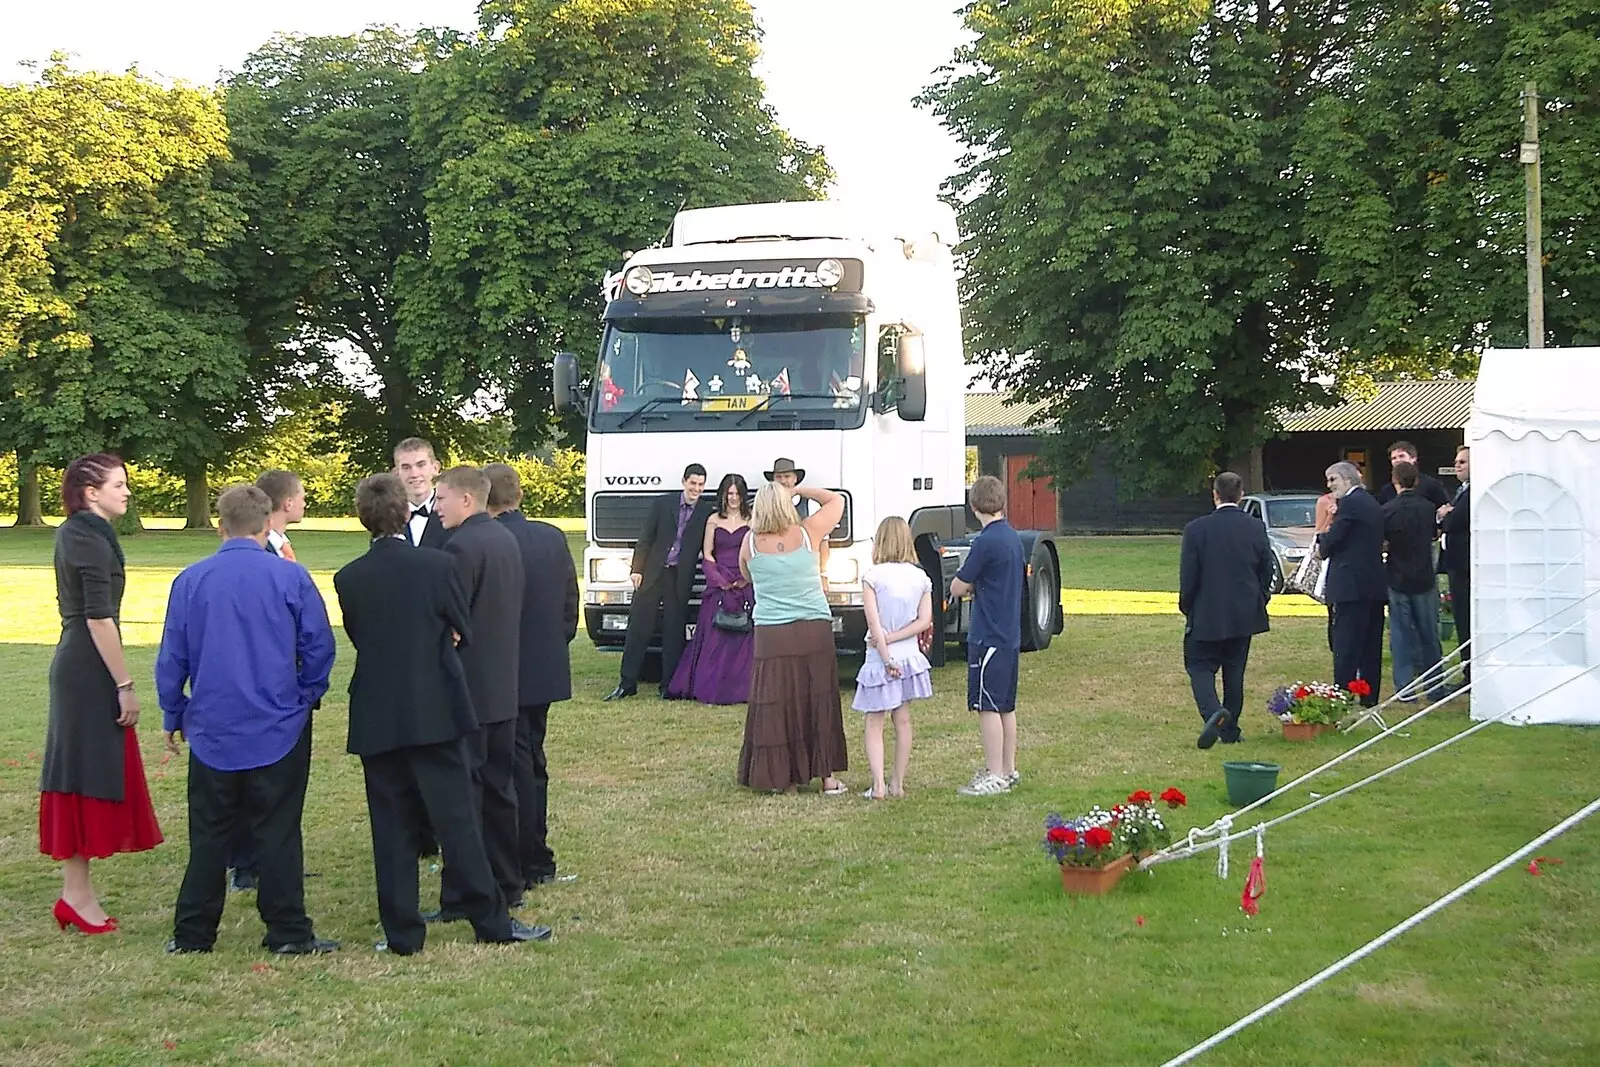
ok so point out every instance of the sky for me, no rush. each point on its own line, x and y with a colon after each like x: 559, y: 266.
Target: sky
x: 839, y: 73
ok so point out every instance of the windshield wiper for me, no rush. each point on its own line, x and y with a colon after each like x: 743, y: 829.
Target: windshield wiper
x: 646, y: 406
x: 766, y: 407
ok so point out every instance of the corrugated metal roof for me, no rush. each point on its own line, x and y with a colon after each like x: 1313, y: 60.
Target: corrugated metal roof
x: 995, y: 415
x: 1435, y: 404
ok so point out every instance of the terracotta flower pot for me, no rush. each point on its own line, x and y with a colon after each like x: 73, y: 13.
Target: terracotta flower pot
x: 1305, y: 731
x: 1094, y: 881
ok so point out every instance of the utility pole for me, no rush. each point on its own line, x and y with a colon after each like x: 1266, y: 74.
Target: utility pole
x: 1530, y: 170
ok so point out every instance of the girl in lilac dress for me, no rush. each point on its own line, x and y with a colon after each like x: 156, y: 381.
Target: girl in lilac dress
x: 715, y: 668
x: 898, y: 600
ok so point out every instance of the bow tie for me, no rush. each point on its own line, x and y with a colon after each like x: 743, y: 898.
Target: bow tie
x: 420, y: 509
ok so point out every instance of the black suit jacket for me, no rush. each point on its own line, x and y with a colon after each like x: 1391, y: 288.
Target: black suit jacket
x: 1225, y: 575
x: 655, y: 541
x: 1353, y: 547
x: 1457, y: 529
x: 1428, y: 488
x: 400, y: 605
x: 490, y: 564
x: 549, y: 610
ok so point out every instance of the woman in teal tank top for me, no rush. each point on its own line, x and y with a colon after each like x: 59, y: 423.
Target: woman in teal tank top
x: 794, y: 725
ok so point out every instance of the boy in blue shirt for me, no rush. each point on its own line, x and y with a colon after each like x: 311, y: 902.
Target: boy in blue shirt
x: 992, y: 574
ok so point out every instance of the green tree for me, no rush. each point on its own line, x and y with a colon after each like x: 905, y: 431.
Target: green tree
x: 119, y: 330
x: 335, y: 205
x: 1185, y: 218
x: 565, y: 134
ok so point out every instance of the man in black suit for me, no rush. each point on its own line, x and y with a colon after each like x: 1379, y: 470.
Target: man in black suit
x: 664, y: 564
x: 490, y: 565
x: 1357, y: 586
x: 1224, y: 582
x: 418, y: 467
x: 1455, y: 558
x: 1428, y: 488
x: 410, y: 712
x: 549, y: 623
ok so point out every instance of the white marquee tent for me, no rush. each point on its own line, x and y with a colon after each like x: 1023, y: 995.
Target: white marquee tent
x: 1535, y: 484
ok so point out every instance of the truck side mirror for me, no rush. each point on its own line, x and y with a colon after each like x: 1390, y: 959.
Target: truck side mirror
x: 912, y: 366
x: 564, y: 382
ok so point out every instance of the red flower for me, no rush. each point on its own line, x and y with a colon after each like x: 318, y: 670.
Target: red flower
x: 1097, y: 837
x: 1072, y: 836
x: 1360, y: 687
x: 1140, y: 796
x: 1174, y: 797
x: 1302, y: 693
x: 1060, y: 835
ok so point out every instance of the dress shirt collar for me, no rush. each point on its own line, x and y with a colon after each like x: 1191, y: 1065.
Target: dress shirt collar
x: 1226, y: 504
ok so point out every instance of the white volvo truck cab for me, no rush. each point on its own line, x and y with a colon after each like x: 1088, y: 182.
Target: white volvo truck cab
x: 802, y: 330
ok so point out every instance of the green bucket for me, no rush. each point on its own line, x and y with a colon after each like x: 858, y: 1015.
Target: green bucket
x: 1249, y: 781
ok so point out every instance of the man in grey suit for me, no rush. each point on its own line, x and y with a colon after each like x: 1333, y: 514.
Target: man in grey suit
x: 490, y: 565
x: 1358, y: 586
x: 549, y: 623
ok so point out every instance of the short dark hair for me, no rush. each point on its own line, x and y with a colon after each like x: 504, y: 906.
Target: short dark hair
x: 278, y: 485
x: 693, y: 469
x: 987, y: 496
x: 1405, y: 474
x: 85, y: 473
x: 505, y: 486
x: 1229, y: 487
x: 382, y: 505
x: 468, y: 479
x: 1403, y: 446
x: 242, y: 510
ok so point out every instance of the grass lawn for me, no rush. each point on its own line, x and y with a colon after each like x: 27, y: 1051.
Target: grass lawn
x: 713, y: 926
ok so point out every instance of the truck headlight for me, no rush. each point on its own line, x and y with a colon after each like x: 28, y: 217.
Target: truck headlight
x: 609, y: 570
x: 841, y: 570
x: 1294, y: 553
x: 638, y: 280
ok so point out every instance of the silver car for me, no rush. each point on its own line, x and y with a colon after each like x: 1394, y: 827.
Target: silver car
x: 1291, y: 520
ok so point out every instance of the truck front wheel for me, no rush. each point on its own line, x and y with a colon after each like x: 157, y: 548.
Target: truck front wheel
x: 1042, y: 600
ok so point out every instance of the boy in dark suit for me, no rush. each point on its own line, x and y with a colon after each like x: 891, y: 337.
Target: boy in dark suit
x: 1455, y: 558
x: 664, y: 563
x: 1358, y: 587
x: 490, y: 565
x: 418, y: 467
x: 1224, y: 582
x: 404, y: 611
x: 549, y: 623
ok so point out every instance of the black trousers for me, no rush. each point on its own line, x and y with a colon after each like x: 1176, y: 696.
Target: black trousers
x: 1358, y: 644
x: 491, y: 757
x: 273, y: 799
x: 411, y: 791
x: 534, y: 858
x: 658, y: 600
x: 242, y: 849
x: 1203, y: 659
x: 1461, y: 608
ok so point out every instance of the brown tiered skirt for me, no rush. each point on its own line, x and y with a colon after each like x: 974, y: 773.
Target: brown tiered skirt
x: 794, y: 728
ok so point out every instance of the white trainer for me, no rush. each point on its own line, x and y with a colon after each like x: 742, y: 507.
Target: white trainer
x: 984, y: 784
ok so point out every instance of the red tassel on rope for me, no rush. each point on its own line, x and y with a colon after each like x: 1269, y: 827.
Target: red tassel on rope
x: 1255, y: 884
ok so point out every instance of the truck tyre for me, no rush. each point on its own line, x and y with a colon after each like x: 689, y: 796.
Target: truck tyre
x: 1041, y: 604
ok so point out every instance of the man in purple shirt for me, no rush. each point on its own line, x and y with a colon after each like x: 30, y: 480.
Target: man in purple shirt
x: 664, y: 563
x: 249, y: 638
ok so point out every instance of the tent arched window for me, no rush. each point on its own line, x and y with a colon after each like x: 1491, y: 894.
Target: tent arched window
x: 1529, y: 542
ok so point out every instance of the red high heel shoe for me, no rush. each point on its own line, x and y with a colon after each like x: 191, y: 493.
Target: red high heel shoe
x: 65, y: 914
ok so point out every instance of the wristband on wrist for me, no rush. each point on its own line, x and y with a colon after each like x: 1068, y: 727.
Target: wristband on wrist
x: 125, y: 687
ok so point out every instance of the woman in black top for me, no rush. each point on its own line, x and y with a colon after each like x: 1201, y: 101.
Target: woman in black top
x: 93, y: 799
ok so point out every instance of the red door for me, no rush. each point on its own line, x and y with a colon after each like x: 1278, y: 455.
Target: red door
x: 1030, y: 502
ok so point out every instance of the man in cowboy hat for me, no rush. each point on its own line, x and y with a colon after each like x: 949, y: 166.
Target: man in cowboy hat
x: 786, y: 474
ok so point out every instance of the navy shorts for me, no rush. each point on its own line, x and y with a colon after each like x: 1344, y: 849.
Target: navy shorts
x: 992, y: 678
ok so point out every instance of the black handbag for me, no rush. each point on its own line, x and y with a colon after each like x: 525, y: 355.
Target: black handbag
x: 731, y: 622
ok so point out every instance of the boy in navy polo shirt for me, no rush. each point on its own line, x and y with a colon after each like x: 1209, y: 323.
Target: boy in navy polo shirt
x: 992, y: 573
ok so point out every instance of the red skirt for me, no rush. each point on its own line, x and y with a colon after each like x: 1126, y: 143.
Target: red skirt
x: 72, y: 825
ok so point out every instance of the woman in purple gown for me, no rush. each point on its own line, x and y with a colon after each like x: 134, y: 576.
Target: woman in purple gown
x: 715, y: 668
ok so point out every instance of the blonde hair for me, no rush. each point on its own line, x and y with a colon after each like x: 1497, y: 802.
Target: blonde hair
x: 893, y: 542
x: 773, y: 511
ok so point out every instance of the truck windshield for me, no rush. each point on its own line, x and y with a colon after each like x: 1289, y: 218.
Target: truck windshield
x: 709, y: 373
